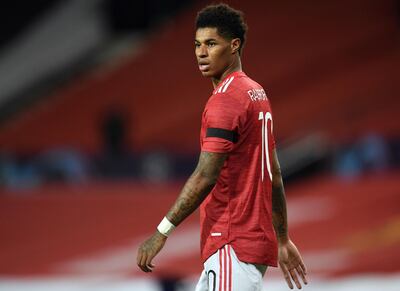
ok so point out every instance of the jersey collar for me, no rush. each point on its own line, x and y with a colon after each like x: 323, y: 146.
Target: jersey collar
x: 233, y: 74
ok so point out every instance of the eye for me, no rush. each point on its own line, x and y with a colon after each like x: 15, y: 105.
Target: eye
x: 211, y: 44
x: 196, y: 44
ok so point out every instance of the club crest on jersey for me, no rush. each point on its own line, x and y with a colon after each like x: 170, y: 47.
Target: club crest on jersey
x: 257, y: 94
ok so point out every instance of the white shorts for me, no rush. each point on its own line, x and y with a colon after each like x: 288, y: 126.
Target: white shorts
x: 224, y: 272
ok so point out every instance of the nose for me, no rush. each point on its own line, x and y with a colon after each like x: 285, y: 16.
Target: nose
x: 201, y: 51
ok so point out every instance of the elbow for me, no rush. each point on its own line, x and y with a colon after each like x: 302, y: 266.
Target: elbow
x: 206, y: 180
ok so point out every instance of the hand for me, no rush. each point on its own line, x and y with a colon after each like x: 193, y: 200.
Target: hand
x: 148, y: 250
x: 291, y: 264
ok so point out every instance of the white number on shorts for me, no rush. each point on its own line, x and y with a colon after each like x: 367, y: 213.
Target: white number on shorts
x: 264, y: 142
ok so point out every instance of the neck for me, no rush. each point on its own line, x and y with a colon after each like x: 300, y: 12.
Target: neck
x: 235, y: 66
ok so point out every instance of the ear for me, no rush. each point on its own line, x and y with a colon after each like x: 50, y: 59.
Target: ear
x: 235, y: 45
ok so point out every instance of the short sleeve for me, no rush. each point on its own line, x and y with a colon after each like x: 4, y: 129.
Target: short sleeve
x: 221, y: 121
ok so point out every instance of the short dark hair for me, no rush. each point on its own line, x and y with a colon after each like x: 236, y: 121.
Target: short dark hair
x: 228, y: 22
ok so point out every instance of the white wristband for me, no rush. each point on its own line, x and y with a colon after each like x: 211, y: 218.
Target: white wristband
x: 165, y: 227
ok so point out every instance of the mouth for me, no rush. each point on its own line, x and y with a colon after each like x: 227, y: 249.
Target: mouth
x: 204, y: 66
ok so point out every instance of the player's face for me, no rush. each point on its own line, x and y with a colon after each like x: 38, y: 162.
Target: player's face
x: 213, y: 52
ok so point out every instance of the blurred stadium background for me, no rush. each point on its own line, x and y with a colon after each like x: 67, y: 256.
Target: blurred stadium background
x: 100, y: 107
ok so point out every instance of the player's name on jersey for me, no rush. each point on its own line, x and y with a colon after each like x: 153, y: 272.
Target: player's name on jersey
x: 257, y: 94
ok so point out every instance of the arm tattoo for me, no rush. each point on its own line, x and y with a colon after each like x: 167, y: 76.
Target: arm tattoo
x: 197, y: 187
x: 279, y: 213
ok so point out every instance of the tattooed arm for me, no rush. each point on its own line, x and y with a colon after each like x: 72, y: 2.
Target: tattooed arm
x: 193, y: 193
x: 197, y: 187
x: 279, y: 213
x: 289, y: 257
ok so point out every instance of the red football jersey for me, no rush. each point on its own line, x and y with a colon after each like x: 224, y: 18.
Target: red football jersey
x: 237, y: 120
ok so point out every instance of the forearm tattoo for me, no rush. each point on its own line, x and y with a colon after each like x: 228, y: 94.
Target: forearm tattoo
x: 198, y: 186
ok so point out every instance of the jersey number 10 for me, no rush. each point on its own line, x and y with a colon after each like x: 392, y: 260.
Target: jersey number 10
x: 264, y: 117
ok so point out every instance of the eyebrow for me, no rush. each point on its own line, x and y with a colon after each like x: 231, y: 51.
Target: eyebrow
x: 207, y: 40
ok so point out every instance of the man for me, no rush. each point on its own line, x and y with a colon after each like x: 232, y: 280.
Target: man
x: 237, y: 180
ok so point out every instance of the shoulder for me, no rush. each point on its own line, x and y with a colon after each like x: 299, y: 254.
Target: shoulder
x: 237, y: 91
x: 224, y: 102
x: 249, y: 90
x: 238, y: 86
